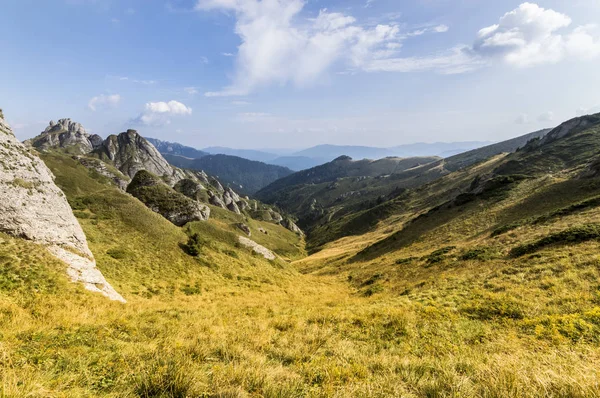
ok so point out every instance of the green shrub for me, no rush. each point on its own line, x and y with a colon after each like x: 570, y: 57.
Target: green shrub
x: 194, y: 245
x: 479, y: 253
x: 573, y: 235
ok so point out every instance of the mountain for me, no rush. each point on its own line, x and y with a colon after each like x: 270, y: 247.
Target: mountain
x: 173, y: 148
x: 133, y: 164
x: 298, y: 163
x: 327, y: 153
x: 251, y: 154
x: 317, y: 200
x: 245, y: 175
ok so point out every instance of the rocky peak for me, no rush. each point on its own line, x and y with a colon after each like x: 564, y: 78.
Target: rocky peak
x: 68, y: 135
x: 130, y: 153
x: 32, y: 207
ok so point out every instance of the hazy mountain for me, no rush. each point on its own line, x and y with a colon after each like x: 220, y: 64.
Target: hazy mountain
x: 174, y: 148
x: 250, y: 154
x: 298, y: 163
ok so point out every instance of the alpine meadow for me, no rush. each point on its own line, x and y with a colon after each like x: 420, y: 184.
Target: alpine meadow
x: 277, y: 198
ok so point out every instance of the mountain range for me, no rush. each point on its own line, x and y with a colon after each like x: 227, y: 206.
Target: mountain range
x: 320, y: 154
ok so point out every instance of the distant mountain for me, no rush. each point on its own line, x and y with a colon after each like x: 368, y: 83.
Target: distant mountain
x: 327, y: 153
x: 298, y: 163
x: 246, y: 176
x: 173, y: 148
x: 250, y: 154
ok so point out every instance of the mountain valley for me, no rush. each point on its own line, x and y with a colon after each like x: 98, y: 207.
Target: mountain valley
x: 470, y: 275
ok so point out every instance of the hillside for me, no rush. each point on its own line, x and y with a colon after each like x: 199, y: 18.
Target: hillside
x: 354, y: 205
x: 244, y: 175
x: 480, y: 282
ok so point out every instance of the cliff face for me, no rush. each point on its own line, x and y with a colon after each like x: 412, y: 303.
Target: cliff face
x: 32, y: 207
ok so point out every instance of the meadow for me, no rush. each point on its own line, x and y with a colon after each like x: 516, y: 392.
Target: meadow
x: 449, y: 312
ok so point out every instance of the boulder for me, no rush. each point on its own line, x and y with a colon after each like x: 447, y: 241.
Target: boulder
x: 289, y: 224
x: 244, y: 228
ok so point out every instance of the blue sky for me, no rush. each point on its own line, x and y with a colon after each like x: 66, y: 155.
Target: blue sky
x: 294, y: 73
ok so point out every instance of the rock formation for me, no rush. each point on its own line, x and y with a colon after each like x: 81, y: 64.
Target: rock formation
x: 32, y: 207
x: 245, y: 229
x: 68, y: 135
x: 130, y: 152
x: 105, y: 170
x: 164, y: 200
x: 256, y: 248
x: 289, y: 224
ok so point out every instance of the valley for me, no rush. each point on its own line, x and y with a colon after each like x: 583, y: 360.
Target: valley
x: 438, y: 280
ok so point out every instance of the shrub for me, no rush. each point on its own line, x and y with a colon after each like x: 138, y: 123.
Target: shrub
x: 194, y: 245
x: 573, y: 235
x: 479, y: 253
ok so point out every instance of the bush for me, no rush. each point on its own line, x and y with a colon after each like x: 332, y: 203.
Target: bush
x: 194, y: 245
x: 570, y: 236
x: 479, y: 253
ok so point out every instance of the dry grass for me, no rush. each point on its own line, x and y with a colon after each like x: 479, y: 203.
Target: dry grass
x: 414, y: 322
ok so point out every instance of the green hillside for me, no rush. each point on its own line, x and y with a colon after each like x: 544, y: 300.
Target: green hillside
x: 478, y: 283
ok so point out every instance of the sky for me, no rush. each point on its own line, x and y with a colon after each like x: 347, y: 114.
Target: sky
x: 297, y: 73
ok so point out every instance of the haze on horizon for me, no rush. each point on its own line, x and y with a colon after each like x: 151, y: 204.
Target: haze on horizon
x: 294, y: 73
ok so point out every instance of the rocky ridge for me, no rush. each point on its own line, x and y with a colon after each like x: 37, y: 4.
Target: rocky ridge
x: 32, y: 207
x: 130, y: 153
x: 66, y: 134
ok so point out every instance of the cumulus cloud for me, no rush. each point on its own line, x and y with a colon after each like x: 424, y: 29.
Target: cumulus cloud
x: 531, y: 35
x: 104, y: 102
x: 160, y: 113
x: 278, y: 47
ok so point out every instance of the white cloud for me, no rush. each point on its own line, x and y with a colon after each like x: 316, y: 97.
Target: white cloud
x: 530, y: 35
x: 546, y: 117
x: 522, y: 119
x: 104, y: 101
x: 441, y: 28
x: 457, y: 60
x: 240, y: 103
x: 144, y: 82
x: 159, y: 113
x: 191, y: 90
x: 280, y: 48
x: 228, y: 54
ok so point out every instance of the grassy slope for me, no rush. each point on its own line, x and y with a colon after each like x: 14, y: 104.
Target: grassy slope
x: 415, y: 321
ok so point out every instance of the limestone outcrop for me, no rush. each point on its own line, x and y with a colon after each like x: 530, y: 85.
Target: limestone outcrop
x: 68, y: 135
x: 32, y: 207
